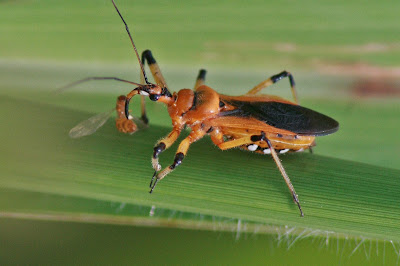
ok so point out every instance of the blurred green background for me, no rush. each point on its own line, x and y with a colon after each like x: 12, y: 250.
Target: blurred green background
x: 345, y: 59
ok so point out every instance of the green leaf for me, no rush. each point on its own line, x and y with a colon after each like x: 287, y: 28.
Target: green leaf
x: 344, y: 197
x: 334, y: 51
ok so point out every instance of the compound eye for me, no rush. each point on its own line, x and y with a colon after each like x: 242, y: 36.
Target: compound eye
x: 154, y: 97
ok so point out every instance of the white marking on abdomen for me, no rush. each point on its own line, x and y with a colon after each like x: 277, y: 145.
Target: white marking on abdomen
x: 144, y: 93
x: 284, y: 151
x: 267, y: 151
x: 252, y: 147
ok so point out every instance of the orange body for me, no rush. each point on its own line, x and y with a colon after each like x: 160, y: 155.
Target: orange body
x: 204, y: 117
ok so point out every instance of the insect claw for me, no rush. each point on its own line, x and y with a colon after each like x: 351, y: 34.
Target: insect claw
x: 301, y: 212
x: 296, y: 200
x: 152, y: 179
x: 154, y: 185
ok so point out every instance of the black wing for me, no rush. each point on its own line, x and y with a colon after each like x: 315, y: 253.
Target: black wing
x: 294, y: 118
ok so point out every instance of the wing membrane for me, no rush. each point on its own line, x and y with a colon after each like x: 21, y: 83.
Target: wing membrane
x: 91, y: 125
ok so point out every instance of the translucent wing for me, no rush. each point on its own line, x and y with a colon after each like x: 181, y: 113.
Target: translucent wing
x: 90, y: 125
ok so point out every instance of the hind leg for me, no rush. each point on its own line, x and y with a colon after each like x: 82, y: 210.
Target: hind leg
x: 273, y: 79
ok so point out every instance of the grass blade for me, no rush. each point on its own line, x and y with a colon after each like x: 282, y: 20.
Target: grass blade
x: 339, y: 196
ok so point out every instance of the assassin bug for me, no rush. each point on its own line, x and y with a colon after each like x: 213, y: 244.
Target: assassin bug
x: 260, y: 123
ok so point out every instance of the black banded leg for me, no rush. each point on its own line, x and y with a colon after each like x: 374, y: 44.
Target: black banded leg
x: 200, y: 78
x: 147, y: 56
x: 273, y: 79
x: 195, y: 135
x: 177, y: 161
x: 161, y: 146
x: 218, y: 139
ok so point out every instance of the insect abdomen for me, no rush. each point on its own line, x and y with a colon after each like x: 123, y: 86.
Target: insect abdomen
x: 264, y: 149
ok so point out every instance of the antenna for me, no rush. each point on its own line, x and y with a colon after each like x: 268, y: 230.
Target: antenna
x: 133, y: 44
x: 63, y: 88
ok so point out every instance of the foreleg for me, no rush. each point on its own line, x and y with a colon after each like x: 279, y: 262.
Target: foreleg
x: 195, y: 135
x: 162, y: 145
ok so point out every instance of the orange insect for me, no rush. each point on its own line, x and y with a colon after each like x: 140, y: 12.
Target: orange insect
x: 260, y: 123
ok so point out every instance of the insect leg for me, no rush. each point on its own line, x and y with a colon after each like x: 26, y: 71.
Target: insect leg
x: 144, y: 117
x: 217, y: 137
x: 254, y: 138
x: 195, y: 135
x: 162, y: 145
x: 285, y: 176
x: 273, y: 79
x: 147, y: 56
x: 230, y: 143
x: 200, y: 78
